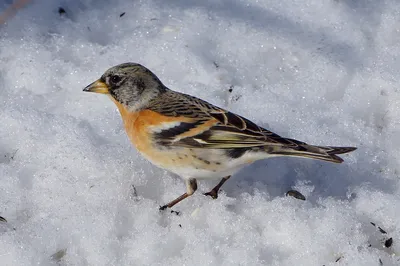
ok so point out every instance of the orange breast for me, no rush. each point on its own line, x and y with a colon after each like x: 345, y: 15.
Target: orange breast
x: 138, y: 128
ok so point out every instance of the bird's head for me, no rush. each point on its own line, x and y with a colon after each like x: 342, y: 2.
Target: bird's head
x: 131, y: 85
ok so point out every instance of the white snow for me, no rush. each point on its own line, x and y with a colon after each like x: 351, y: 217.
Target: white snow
x: 323, y: 72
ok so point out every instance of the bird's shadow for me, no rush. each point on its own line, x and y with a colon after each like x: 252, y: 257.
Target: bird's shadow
x: 278, y: 175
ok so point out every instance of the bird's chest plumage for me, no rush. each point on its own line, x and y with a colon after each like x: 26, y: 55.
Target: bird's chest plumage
x: 138, y: 127
x: 185, y: 162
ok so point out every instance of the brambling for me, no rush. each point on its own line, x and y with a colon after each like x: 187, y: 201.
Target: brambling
x: 191, y: 137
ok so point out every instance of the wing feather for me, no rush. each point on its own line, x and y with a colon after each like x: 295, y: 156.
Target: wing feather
x: 203, y: 125
x: 212, y: 127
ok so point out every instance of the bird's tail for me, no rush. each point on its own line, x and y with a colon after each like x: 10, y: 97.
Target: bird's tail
x: 325, y: 153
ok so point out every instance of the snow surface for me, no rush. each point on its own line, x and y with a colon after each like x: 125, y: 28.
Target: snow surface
x: 74, y: 191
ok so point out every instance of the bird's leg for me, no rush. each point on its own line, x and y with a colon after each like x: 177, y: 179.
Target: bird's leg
x: 214, y: 192
x: 191, y: 187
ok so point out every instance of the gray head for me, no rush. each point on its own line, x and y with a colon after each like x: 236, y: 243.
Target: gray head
x: 129, y: 84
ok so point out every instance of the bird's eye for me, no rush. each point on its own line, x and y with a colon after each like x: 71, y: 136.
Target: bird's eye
x: 115, y: 79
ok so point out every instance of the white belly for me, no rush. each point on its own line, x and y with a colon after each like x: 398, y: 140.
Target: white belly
x: 191, y: 172
x: 202, y: 163
x: 211, y: 170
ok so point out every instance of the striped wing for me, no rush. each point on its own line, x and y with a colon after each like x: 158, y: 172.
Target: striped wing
x: 210, y: 126
x: 231, y: 131
x: 202, y: 125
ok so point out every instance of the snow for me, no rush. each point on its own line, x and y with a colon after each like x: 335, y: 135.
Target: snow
x: 74, y: 191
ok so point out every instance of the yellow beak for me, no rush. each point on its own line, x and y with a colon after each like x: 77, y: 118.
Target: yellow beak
x: 98, y: 87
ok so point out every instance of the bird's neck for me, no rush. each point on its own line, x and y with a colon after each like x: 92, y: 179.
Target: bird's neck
x: 128, y: 117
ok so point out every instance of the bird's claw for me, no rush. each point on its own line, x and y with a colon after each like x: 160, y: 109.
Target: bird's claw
x: 213, y: 194
x: 162, y: 208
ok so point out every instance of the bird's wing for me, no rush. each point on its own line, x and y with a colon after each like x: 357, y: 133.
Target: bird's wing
x: 202, y: 125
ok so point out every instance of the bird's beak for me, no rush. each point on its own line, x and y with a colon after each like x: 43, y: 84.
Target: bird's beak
x: 98, y: 86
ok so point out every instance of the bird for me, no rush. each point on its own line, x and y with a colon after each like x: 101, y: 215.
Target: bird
x: 191, y: 137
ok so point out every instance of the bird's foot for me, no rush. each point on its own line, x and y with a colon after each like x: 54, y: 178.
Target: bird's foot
x: 163, y: 208
x: 213, y: 194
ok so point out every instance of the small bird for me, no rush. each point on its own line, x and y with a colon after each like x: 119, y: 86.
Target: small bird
x: 191, y: 137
